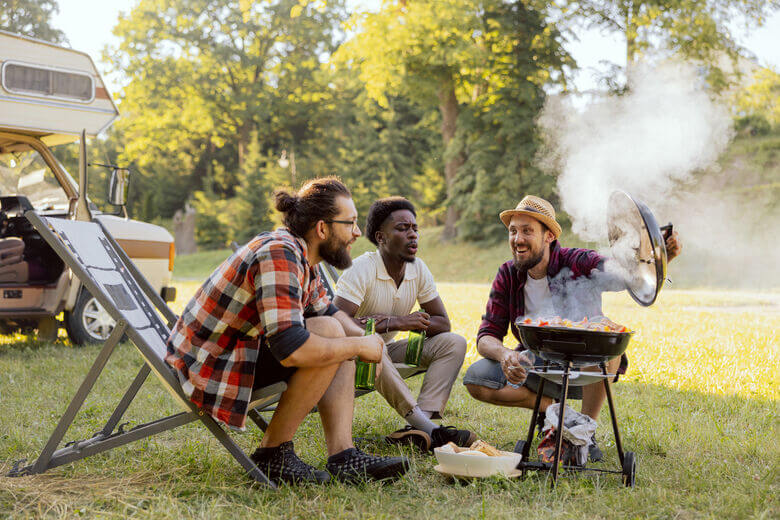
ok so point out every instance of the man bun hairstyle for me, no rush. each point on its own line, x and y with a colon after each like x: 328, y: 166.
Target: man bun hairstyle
x: 316, y: 200
x: 380, y: 210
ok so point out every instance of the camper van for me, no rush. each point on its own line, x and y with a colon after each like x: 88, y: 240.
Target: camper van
x: 49, y: 95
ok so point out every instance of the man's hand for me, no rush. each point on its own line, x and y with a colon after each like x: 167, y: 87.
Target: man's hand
x: 673, y: 246
x: 371, y: 349
x: 515, y: 366
x: 415, y: 321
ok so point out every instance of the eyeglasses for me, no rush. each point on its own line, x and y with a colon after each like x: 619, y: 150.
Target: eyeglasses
x: 352, y: 223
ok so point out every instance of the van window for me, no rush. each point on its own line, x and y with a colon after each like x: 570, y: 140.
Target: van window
x: 26, y: 173
x: 37, y: 81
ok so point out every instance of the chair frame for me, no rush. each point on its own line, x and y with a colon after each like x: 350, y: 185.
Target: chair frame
x: 113, y: 434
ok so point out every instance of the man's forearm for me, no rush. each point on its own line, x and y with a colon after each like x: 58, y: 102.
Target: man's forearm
x: 350, y: 324
x: 491, y: 347
x: 438, y: 325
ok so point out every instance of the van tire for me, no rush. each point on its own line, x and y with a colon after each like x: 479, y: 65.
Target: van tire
x: 88, y: 322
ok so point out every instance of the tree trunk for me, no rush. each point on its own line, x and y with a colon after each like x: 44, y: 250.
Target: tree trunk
x: 448, y: 106
x: 244, y: 135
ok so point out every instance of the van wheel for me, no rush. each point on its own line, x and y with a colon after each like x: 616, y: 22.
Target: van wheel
x: 88, y: 322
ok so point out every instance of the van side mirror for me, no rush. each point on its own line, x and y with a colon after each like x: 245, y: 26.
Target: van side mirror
x: 117, y: 191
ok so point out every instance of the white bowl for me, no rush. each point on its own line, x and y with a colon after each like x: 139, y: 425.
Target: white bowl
x: 464, y: 464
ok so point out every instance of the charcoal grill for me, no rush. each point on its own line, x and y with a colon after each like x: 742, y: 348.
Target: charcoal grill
x: 638, y: 247
x: 563, y: 351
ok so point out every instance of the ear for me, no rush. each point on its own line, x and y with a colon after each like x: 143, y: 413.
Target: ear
x: 320, y: 229
x: 380, y: 237
x: 549, y: 237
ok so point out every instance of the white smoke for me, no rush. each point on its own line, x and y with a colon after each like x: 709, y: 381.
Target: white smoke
x: 645, y: 142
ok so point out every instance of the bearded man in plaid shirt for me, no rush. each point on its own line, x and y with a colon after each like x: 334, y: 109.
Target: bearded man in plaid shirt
x: 264, y: 316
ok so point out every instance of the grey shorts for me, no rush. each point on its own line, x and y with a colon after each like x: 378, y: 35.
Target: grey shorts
x: 488, y: 373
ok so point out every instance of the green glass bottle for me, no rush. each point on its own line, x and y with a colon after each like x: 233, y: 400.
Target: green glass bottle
x: 414, y: 347
x: 365, y: 373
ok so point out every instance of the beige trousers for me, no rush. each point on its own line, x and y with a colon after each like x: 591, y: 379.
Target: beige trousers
x: 442, y: 355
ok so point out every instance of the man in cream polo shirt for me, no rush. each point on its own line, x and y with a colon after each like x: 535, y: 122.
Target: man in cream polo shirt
x: 385, y: 284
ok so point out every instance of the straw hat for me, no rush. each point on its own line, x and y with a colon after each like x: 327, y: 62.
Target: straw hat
x: 535, y: 207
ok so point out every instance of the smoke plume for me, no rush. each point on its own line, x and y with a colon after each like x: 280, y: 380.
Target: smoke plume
x: 654, y: 142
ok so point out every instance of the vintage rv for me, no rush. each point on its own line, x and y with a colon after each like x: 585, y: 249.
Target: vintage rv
x: 48, y: 96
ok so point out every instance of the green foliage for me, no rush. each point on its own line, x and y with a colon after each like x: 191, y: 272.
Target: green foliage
x: 760, y: 99
x: 213, y: 220
x: 468, y: 60
x: 753, y: 125
x: 204, y: 76
x: 692, y: 29
x: 31, y: 18
x: 498, y: 131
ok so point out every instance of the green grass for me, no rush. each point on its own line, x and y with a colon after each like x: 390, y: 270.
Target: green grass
x: 699, y: 406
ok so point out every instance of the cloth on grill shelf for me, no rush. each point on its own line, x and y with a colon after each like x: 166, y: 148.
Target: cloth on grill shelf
x: 578, y: 430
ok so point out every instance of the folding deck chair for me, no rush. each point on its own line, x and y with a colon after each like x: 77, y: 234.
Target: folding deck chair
x: 110, y: 276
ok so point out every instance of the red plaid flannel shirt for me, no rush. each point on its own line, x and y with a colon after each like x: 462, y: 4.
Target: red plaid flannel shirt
x: 507, y: 301
x: 264, y: 289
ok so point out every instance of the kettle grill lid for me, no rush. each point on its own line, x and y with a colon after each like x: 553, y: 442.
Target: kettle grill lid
x: 637, y: 245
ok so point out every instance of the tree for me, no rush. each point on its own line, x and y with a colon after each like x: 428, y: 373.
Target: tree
x: 498, y: 128
x: 452, y: 55
x: 204, y: 75
x: 694, y: 29
x: 761, y: 98
x: 31, y: 18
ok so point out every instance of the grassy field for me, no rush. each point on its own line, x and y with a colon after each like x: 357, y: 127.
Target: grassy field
x: 699, y: 407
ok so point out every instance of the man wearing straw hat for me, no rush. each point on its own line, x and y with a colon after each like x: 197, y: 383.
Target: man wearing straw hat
x: 536, y: 283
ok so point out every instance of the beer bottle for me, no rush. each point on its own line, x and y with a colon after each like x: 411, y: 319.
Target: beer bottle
x: 365, y: 373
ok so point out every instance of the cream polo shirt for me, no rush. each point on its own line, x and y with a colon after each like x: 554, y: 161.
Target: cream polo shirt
x: 367, y: 285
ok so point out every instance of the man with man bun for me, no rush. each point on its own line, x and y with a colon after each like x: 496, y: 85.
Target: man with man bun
x: 264, y: 316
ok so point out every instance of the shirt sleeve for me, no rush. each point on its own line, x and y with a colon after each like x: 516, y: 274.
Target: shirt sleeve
x: 279, y: 294
x: 587, y: 260
x: 351, y: 286
x: 427, y: 290
x: 495, y: 321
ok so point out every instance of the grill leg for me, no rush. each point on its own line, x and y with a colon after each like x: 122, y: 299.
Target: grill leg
x: 559, y: 432
x: 612, y: 414
x: 530, y: 438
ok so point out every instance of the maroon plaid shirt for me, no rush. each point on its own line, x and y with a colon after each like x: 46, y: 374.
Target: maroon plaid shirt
x: 506, y: 302
x: 257, y: 298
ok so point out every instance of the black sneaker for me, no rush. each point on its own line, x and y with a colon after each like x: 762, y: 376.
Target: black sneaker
x: 444, y: 434
x: 411, y: 437
x: 594, y: 452
x: 281, y: 464
x: 352, y: 466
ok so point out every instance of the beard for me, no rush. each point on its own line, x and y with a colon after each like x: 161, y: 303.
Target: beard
x: 525, y: 265
x: 335, y: 253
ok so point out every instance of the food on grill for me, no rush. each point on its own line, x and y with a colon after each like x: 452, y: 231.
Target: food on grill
x: 601, y: 323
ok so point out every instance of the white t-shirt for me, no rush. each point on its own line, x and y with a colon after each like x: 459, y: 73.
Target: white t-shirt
x: 538, y: 300
x: 367, y: 285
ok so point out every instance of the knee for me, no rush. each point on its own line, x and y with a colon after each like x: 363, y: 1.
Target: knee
x: 478, y: 392
x: 325, y: 326
x: 456, y: 344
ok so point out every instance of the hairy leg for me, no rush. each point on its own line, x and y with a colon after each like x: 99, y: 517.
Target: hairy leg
x: 305, y: 388
x: 508, y: 396
x: 336, y: 409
